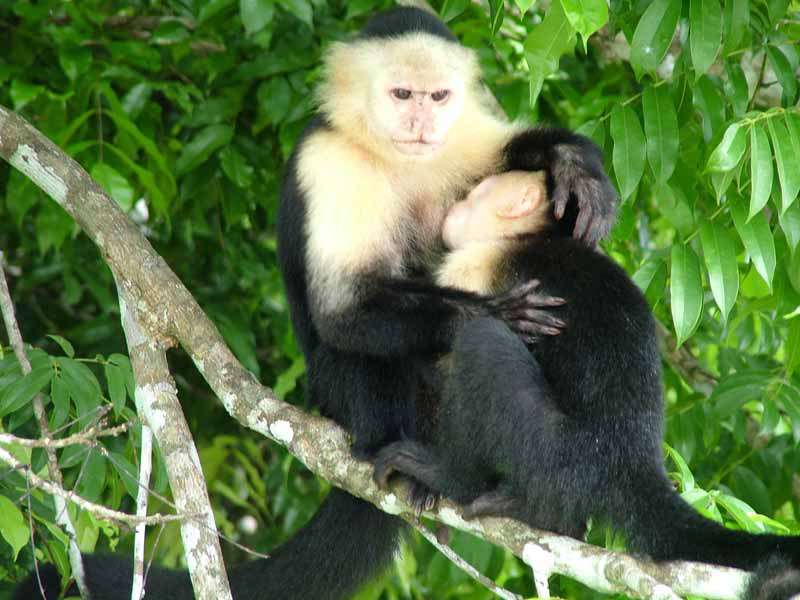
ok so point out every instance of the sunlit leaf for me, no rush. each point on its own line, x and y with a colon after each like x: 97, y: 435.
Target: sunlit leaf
x: 653, y: 35
x: 14, y: 528
x: 661, y: 127
x: 256, y: 13
x: 705, y: 33
x: 785, y: 73
x: 544, y: 46
x: 760, y: 169
x: 719, y: 253
x: 686, y: 291
x: 757, y: 238
x: 586, y: 16
x: 736, y: 18
x: 628, y: 157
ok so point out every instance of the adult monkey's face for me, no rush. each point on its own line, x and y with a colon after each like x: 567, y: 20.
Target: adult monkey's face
x: 402, y: 96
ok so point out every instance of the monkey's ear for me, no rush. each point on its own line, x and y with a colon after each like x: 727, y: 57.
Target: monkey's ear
x: 515, y: 207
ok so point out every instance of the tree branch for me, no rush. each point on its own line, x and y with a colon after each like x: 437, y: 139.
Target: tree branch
x: 157, y: 403
x: 166, y: 308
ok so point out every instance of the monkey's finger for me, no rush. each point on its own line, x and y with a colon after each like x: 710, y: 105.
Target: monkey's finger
x: 540, y: 317
x: 528, y: 327
x: 517, y: 294
x: 583, y: 222
x: 560, y: 198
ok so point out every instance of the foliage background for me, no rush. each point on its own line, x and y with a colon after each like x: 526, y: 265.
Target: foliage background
x: 185, y: 111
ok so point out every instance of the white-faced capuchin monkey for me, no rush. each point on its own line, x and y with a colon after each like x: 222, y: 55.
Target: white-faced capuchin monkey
x: 403, y: 130
x: 569, y: 427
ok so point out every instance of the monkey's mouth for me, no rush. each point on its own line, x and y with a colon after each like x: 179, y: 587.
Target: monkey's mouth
x: 417, y: 147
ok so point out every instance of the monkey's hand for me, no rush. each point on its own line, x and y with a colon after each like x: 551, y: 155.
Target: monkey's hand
x: 576, y: 175
x: 527, y: 312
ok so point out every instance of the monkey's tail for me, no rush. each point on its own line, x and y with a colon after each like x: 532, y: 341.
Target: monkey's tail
x: 346, y: 543
x: 660, y: 523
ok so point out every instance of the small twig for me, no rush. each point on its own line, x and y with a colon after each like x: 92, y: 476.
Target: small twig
x: 461, y: 563
x: 62, y: 516
x: 88, y: 437
x: 145, y: 466
x: 101, y: 512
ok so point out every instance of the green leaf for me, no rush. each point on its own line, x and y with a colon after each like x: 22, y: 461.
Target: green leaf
x: 452, y: 8
x: 735, y: 390
x: 287, y: 380
x: 496, y: 15
x: 785, y: 73
x: 705, y: 33
x: 706, y: 98
x: 53, y: 226
x: 13, y: 527
x: 203, y: 146
x: 274, y: 100
x: 790, y: 224
x: 586, y: 16
x: 64, y: 344
x: 757, y: 238
x: 736, y: 88
x: 787, y: 161
x: 628, y: 158
x: 115, y: 185
x: 83, y: 385
x: 301, y: 9
x: 75, y: 61
x: 686, y: 476
x: 21, y: 392
x: 116, y: 386
x: 741, y: 512
x: 760, y: 169
x: 256, y: 14
x: 235, y: 167
x: 719, y: 253
x: 92, y: 482
x: 661, y: 128
x: 792, y: 348
x: 544, y: 46
x: 523, y: 5
x: 23, y: 93
x: 736, y: 18
x: 59, y: 393
x: 651, y: 278
x: 653, y: 35
x: 686, y: 291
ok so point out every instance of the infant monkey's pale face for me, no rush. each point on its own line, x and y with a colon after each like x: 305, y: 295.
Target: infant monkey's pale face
x: 499, y: 206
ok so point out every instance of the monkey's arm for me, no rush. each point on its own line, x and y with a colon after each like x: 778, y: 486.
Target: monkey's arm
x: 575, y: 168
x: 395, y: 318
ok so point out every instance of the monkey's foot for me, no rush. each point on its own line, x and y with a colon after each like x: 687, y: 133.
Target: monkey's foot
x: 405, y: 458
x: 497, y: 503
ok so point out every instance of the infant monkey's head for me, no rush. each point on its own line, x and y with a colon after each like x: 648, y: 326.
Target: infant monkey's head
x: 501, y: 206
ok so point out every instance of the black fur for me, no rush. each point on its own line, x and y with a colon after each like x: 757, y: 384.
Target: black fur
x: 571, y: 428
x: 323, y: 561
x: 774, y: 579
x: 403, y: 20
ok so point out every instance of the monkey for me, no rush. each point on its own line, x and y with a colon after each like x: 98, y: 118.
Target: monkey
x: 569, y: 426
x: 403, y: 130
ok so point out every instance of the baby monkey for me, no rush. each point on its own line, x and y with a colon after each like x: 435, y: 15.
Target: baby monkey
x: 570, y: 425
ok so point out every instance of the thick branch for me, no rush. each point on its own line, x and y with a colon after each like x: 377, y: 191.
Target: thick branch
x: 168, y: 308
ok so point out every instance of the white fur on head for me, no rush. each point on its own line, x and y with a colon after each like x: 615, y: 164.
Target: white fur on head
x: 358, y: 77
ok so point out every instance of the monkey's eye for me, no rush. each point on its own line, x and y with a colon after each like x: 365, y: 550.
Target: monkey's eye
x: 401, y: 93
x: 440, y: 95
